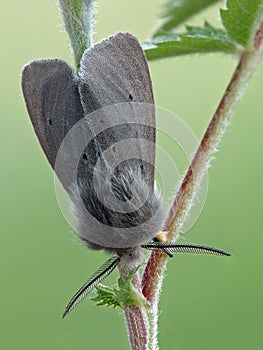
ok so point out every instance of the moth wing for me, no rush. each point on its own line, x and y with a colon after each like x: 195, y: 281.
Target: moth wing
x: 50, y: 89
x: 115, y: 71
x: 115, y: 82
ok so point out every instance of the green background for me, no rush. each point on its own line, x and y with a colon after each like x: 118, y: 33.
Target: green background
x: 207, y: 302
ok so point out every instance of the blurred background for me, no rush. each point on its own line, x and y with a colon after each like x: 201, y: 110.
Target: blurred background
x: 207, y: 302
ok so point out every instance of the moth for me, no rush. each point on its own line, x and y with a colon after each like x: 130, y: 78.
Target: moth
x: 109, y: 102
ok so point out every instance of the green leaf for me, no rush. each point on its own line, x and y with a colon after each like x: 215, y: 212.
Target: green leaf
x: 124, y: 294
x: 176, y: 12
x: 195, y: 40
x: 78, y: 20
x: 106, y: 296
x: 241, y: 20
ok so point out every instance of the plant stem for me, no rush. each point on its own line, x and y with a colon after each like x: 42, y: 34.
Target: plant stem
x: 156, y: 265
x: 136, y: 317
x: 78, y: 17
x: 136, y: 327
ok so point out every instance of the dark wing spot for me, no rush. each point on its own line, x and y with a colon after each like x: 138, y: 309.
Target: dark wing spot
x: 49, y: 121
x: 131, y: 97
x: 85, y: 156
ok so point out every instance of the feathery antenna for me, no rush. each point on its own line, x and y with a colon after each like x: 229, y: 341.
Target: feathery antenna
x: 95, y: 279
x: 184, y: 248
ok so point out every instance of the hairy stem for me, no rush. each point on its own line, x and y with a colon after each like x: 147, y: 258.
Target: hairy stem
x: 154, y: 271
x: 136, y: 317
x: 78, y: 17
x: 136, y: 327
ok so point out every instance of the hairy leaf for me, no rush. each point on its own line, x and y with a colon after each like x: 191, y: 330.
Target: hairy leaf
x: 176, y: 12
x: 241, y: 20
x: 124, y: 294
x: 195, y: 40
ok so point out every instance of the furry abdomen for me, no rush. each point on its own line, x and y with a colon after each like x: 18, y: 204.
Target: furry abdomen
x: 139, y: 214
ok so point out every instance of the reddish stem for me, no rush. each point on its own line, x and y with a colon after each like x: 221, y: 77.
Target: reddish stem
x: 203, y: 146
x: 153, y: 272
x: 157, y: 261
x: 157, y: 258
x: 258, y: 37
x: 136, y: 327
x: 135, y: 317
